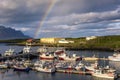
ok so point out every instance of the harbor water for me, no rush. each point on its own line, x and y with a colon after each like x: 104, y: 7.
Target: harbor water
x: 33, y: 75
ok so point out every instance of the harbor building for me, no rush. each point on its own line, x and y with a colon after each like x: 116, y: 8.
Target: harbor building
x: 50, y: 40
x: 90, y: 38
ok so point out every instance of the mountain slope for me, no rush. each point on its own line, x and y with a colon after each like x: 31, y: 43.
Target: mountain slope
x: 9, y: 33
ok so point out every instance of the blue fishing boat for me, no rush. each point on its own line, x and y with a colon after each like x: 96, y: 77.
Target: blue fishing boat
x: 21, y: 68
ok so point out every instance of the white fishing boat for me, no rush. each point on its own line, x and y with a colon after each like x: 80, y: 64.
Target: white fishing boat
x: 60, y: 65
x: 44, y: 67
x: 101, y: 74
x: 26, y: 49
x: 42, y: 49
x: 115, y: 57
x: 27, y: 63
x: 66, y: 57
x: 46, y: 56
x: 59, y: 52
x: 92, y: 67
x: 79, y: 66
x: 62, y: 55
x: 9, y: 52
x: 3, y: 65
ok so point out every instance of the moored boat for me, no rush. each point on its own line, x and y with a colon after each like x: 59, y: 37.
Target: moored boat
x: 9, y: 52
x: 44, y: 67
x: 66, y: 57
x: 79, y: 66
x: 115, y: 56
x: 3, y: 65
x: 21, y: 68
x: 92, y: 67
x: 101, y: 74
x: 46, y: 56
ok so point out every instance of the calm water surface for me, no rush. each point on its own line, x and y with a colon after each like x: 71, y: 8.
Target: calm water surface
x: 33, y: 75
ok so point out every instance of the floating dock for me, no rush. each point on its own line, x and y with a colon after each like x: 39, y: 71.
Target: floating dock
x: 74, y: 72
x: 93, y: 59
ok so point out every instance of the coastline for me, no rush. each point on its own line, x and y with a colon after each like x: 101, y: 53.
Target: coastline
x: 67, y: 47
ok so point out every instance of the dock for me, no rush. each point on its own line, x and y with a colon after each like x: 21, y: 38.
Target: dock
x: 74, y: 72
x: 103, y: 59
x: 94, y: 59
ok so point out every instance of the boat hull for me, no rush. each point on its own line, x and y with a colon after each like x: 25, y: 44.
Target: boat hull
x: 19, y: 69
x: 103, y: 76
x: 114, y: 58
x: 69, y: 59
x: 46, y: 58
x: 45, y: 70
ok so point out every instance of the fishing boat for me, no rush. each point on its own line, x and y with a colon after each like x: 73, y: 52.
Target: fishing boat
x: 26, y: 49
x: 115, y: 56
x: 21, y: 68
x: 42, y: 50
x: 27, y: 63
x: 9, y: 52
x: 66, y: 57
x: 45, y: 67
x: 92, y: 67
x: 59, y: 52
x: 79, y: 66
x: 102, y: 74
x: 3, y: 65
x: 46, y: 56
x: 60, y: 64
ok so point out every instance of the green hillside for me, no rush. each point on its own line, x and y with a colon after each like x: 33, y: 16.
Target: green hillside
x: 102, y: 42
x: 99, y: 43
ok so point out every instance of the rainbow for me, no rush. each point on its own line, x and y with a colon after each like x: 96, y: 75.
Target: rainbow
x: 51, y: 5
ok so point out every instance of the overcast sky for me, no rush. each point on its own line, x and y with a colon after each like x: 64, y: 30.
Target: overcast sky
x: 62, y: 18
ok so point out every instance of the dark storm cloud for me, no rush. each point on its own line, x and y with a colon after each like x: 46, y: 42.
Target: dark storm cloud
x: 65, y: 7
x: 22, y: 11
x: 71, y: 17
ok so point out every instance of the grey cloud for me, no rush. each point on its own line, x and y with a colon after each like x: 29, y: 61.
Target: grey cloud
x: 65, y: 7
x: 22, y: 11
x: 91, y: 17
x: 70, y: 17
